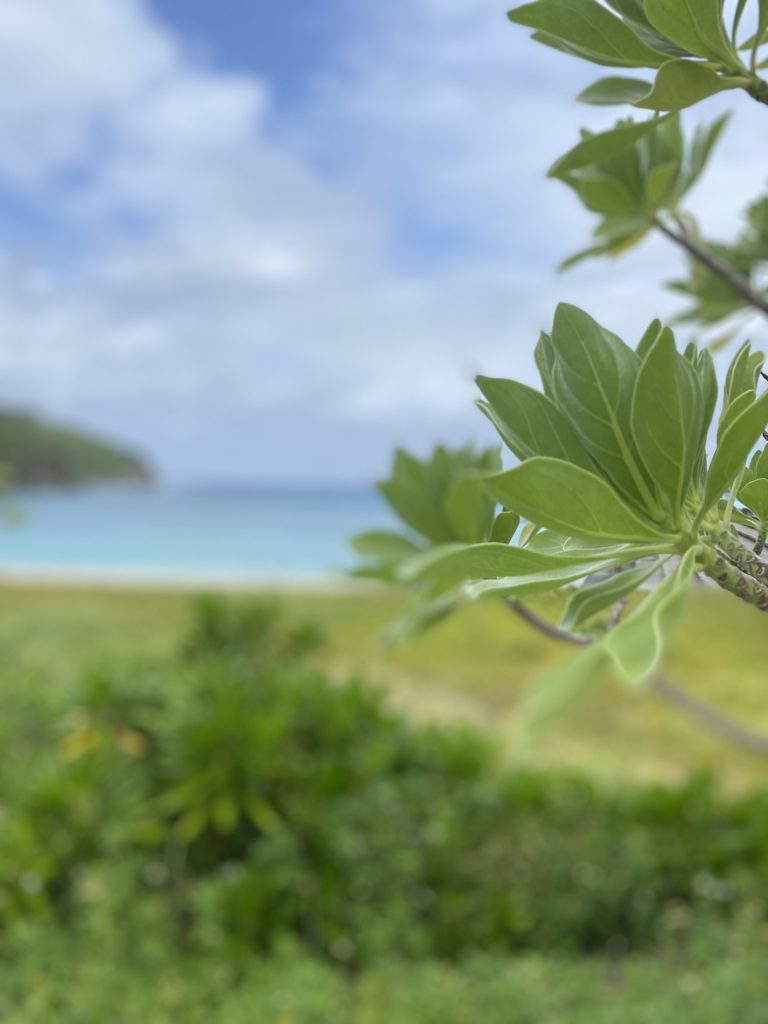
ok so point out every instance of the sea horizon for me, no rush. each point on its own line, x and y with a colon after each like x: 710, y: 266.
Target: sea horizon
x: 236, y: 533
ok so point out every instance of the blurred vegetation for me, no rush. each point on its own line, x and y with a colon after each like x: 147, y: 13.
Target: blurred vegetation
x: 33, y: 452
x: 475, y: 668
x: 203, y: 814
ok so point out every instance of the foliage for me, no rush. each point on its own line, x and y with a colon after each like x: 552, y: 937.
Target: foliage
x: 34, y: 452
x: 89, y: 975
x: 635, y: 175
x: 614, y: 483
x: 606, y: 480
x: 228, y: 804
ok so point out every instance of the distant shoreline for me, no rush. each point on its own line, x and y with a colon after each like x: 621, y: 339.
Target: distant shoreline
x: 176, y: 579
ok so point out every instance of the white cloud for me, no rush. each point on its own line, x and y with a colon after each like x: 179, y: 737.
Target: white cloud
x: 237, y: 299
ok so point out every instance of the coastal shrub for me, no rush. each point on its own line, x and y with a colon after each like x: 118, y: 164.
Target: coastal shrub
x: 228, y: 804
x: 252, y: 629
x: 49, y: 974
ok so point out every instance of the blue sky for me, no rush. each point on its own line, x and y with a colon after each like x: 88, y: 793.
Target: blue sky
x: 268, y: 242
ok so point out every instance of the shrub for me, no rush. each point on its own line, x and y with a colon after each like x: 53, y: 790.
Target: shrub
x: 229, y: 802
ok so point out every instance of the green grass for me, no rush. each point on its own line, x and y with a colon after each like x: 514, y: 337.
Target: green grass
x: 476, y: 666
x: 56, y: 980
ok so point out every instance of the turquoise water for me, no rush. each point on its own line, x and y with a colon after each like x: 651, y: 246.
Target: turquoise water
x: 274, y: 533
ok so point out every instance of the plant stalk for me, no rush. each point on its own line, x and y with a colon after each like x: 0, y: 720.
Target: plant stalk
x: 729, y: 274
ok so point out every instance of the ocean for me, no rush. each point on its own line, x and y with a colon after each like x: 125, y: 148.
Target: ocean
x: 123, y: 533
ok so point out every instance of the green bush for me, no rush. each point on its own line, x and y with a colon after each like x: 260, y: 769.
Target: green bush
x: 238, y: 798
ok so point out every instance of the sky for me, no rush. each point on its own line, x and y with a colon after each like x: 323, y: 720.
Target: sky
x: 265, y: 243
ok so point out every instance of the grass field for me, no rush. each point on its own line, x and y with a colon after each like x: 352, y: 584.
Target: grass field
x: 475, y: 666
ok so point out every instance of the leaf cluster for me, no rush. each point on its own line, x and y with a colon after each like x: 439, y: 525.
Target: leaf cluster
x: 635, y: 175
x: 613, y: 486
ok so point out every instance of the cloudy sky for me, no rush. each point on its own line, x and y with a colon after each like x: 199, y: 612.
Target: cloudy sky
x: 263, y: 241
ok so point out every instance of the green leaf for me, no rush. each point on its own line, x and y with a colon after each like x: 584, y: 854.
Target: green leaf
x: 586, y: 25
x: 652, y: 332
x: 732, y: 450
x: 384, y: 545
x: 593, y: 598
x: 504, y: 527
x: 422, y: 617
x: 528, y: 422
x: 448, y: 565
x: 743, y: 373
x: 603, y: 193
x: 665, y: 420
x: 704, y: 139
x: 681, y: 83
x: 614, y: 90
x: 570, y: 500
x: 594, y: 378
x: 562, y: 686
x: 755, y: 497
x: 467, y: 509
x: 660, y: 185
x: 695, y: 25
x: 536, y: 583
x: 544, y: 354
x: 637, y: 643
x: 415, y: 501
x: 593, y: 149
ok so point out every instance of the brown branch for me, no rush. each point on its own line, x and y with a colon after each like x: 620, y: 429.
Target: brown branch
x: 729, y: 274
x: 701, y: 712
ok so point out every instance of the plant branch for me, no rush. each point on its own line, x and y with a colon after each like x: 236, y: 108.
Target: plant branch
x: 710, y: 718
x: 729, y: 274
x: 699, y: 711
x: 548, y: 628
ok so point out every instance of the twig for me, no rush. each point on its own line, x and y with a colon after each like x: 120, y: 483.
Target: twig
x: 549, y: 628
x: 736, y: 280
x: 709, y: 717
x: 701, y: 712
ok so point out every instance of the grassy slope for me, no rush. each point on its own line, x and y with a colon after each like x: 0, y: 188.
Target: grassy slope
x: 476, y: 665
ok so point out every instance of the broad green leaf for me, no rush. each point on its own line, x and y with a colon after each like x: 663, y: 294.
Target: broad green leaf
x: 755, y: 497
x: 467, y: 509
x: 609, y: 92
x: 593, y: 598
x: 660, y: 185
x: 699, y: 150
x: 695, y: 25
x: 450, y: 564
x: 544, y: 354
x: 593, y: 149
x: 665, y: 420
x: 414, y: 500
x: 637, y: 643
x: 681, y: 83
x: 602, y: 193
x: 743, y: 373
x: 652, y: 331
x: 536, y: 583
x: 587, y: 25
x: 529, y: 422
x: 423, y: 616
x: 734, y: 447
x: 617, y: 244
x: 504, y: 527
x: 759, y: 463
x: 732, y: 412
x: 384, y: 545
x: 594, y: 380
x: 570, y: 500
x: 561, y: 686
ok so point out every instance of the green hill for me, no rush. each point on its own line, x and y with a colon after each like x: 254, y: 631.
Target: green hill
x: 35, y: 452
